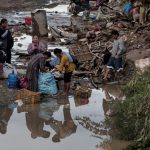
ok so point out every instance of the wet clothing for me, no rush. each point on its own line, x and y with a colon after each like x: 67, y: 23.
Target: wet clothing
x: 56, y: 60
x: 2, y: 56
x: 67, y: 77
x: 35, y: 64
x: 66, y: 65
x: 115, y: 63
x: 7, y: 43
x: 40, y: 47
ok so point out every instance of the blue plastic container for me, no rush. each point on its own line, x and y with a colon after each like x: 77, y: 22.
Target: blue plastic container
x: 12, y: 80
x: 127, y: 7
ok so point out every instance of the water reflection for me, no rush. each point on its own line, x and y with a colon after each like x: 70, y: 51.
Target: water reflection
x: 63, y: 121
x: 65, y: 128
x: 36, y: 118
x: 5, y: 114
x: 34, y: 123
x: 113, y: 92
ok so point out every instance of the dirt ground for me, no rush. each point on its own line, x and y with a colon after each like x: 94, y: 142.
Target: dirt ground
x: 20, y: 4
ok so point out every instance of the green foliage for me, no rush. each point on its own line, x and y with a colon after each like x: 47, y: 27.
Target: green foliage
x: 132, y: 119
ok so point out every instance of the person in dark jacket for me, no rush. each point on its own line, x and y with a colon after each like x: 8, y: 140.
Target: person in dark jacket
x: 6, y: 40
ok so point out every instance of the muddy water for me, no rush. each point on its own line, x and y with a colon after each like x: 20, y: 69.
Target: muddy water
x: 67, y: 124
x: 58, y: 124
x: 27, y: 125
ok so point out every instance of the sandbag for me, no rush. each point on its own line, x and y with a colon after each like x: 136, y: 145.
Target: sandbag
x: 47, y: 83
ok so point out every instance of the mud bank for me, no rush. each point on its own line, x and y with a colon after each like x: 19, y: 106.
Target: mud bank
x: 18, y: 5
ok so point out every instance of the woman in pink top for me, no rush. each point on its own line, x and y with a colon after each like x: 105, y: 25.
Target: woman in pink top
x: 36, y: 46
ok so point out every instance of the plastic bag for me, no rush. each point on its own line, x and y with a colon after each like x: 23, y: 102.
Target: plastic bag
x: 127, y: 7
x: 23, y: 82
x: 47, y: 83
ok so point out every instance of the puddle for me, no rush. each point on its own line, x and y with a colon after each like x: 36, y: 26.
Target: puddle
x: 55, y: 124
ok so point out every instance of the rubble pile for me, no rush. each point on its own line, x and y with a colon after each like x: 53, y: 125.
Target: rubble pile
x: 90, y: 51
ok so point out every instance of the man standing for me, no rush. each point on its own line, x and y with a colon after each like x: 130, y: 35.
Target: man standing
x: 115, y: 61
x: 6, y: 40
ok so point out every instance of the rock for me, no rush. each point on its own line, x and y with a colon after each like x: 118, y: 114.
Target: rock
x: 143, y: 64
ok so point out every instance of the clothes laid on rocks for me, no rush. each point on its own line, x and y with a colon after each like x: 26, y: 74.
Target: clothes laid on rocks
x: 36, y: 63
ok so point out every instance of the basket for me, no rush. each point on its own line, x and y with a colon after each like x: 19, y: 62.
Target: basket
x: 28, y: 97
x: 82, y: 92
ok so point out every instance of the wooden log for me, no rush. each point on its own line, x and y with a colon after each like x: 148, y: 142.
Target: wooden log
x: 39, y: 23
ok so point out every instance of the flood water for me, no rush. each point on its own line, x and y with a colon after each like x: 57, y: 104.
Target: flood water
x: 26, y: 125
x: 58, y: 124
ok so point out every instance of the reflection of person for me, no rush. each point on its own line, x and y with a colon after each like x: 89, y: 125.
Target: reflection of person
x: 36, y: 64
x: 113, y: 90
x: 5, y: 114
x: 66, y: 128
x: 34, y: 123
x: 6, y: 39
x: 36, y: 46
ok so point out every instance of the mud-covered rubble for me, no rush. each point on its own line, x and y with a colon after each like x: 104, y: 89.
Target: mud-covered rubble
x: 20, y: 4
x: 90, y: 52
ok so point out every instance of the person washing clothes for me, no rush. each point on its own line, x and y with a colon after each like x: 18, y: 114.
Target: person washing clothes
x: 67, y: 66
x: 35, y: 65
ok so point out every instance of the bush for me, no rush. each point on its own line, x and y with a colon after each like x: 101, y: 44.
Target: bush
x: 132, y: 119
